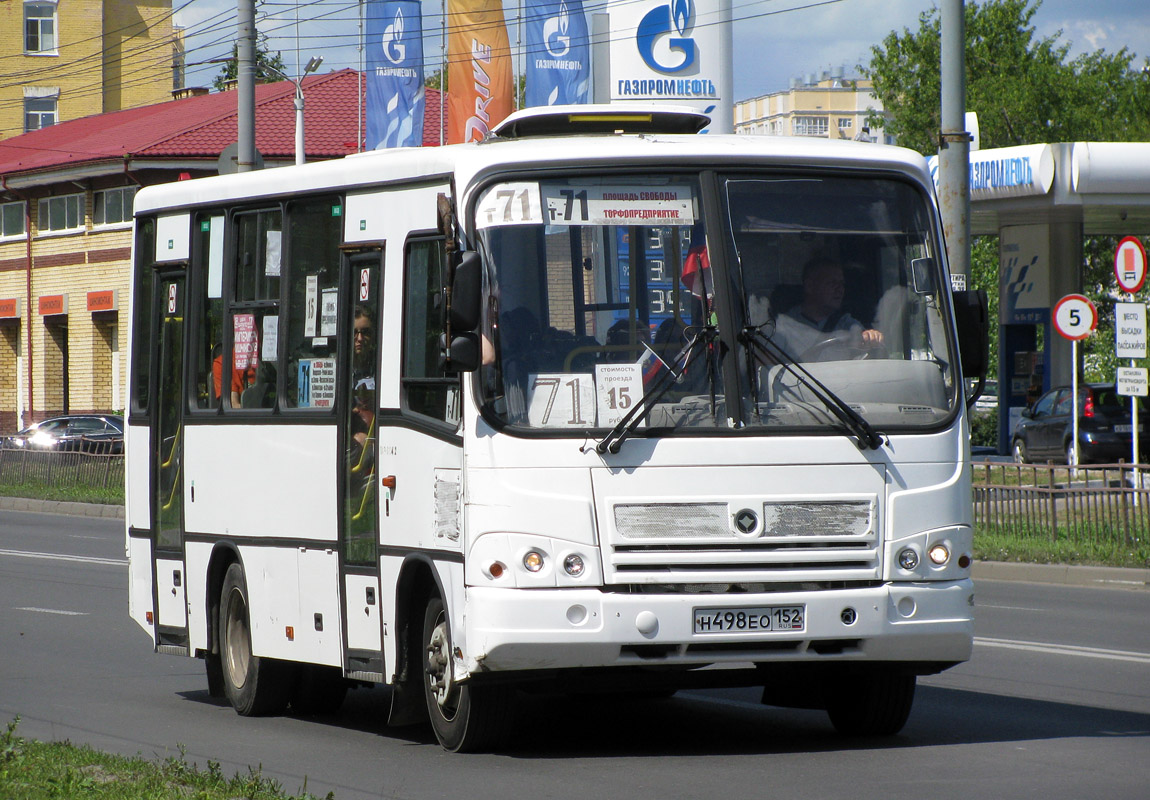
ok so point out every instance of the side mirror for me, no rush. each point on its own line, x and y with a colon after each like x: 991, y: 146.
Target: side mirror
x: 466, y: 293
x: 972, y: 318
x: 1028, y: 413
x: 922, y: 273
x: 462, y: 355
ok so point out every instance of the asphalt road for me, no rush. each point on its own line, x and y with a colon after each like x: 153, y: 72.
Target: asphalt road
x: 1054, y: 704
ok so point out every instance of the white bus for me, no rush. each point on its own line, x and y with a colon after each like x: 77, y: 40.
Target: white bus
x: 596, y: 404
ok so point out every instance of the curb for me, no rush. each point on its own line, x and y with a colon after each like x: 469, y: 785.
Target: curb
x: 1061, y: 574
x: 61, y: 507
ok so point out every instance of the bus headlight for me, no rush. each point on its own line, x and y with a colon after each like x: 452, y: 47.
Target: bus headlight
x: 939, y: 554
x: 533, y: 561
x: 573, y: 565
x: 908, y: 558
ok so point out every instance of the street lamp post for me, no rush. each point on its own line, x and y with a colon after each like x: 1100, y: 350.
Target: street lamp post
x: 312, y: 65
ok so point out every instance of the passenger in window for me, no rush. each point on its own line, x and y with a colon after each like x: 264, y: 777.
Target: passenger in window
x: 241, y: 379
x: 818, y: 324
x: 363, y: 378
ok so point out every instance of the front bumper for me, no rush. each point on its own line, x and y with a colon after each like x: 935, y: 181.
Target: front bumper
x: 516, y: 629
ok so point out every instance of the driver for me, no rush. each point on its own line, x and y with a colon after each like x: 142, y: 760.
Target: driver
x: 819, y: 317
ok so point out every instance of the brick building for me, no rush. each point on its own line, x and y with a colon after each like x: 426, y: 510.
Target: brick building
x: 63, y: 61
x: 66, y: 196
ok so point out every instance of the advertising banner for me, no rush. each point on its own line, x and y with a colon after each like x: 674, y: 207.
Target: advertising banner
x: 479, y: 69
x: 1024, y: 273
x: 394, y: 74
x: 670, y: 51
x: 558, y: 54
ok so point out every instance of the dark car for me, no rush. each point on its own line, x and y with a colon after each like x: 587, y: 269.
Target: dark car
x: 1045, y: 432
x: 89, y: 433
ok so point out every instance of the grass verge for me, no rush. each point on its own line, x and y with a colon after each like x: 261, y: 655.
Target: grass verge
x: 112, y: 495
x: 998, y: 546
x: 31, y: 770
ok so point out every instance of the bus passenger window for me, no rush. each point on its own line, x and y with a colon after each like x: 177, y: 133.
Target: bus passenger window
x: 427, y: 389
x: 313, y: 238
x: 208, y: 267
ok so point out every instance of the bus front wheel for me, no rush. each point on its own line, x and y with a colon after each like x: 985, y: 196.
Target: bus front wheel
x: 465, y: 717
x: 253, y: 685
x: 871, y: 703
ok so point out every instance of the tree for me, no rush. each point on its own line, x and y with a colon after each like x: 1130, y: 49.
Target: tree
x: 269, y: 68
x: 1023, y: 89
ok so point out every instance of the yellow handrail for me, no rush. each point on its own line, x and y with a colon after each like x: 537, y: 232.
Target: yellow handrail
x: 175, y: 443
x: 366, y: 447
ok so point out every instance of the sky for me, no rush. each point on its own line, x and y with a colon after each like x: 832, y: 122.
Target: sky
x: 774, y: 40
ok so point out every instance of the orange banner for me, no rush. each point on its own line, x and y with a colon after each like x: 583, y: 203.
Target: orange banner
x: 479, y: 69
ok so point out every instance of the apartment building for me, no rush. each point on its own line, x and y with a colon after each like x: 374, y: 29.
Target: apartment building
x: 829, y: 106
x: 62, y: 61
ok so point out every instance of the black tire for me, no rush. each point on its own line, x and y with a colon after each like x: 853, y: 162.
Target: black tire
x: 466, y: 718
x: 253, y: 685
x: 215, y: 672
x: 1019, y: 452
x: 318, y: 690
x: 871, y: 703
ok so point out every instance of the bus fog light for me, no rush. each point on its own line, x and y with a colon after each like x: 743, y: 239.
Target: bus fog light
x: 908, y: 558
x: 939, y: 554
x: 573, y: 565
x: 533, y: 561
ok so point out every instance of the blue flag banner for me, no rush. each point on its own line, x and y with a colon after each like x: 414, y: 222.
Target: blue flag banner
x: 558, y: 54
x: 394, y: 74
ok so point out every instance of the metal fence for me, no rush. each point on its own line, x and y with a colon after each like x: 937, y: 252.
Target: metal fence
x: 92, y: 469
x: 1105, y: 503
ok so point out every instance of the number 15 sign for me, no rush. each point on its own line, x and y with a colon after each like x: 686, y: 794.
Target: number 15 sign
x: 1075, y: 317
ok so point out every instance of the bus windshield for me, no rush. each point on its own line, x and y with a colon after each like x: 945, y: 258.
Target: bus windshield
x: 800, y: 300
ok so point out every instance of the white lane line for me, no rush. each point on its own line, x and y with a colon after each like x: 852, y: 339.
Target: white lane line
x: 113, y: 562
x: 1065, y: 650
x: 53, y: 611
x: 1008, y: 608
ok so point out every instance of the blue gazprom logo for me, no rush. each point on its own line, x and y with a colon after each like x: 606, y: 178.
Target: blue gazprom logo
x: 662, y: 21
x: 394, y: 49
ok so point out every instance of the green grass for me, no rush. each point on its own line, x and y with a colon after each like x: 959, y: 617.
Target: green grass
x: 1000, y: 546
x: 112, y: 495
x: 31, y: 770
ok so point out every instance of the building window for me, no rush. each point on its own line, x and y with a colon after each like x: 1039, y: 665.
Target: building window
x: 64, y: 213
x: 12, y: 219
x: 112, y: 206
x: 39, y: 112
x: 810, y: 126
x: 845, y: 124
x: 39, y: 27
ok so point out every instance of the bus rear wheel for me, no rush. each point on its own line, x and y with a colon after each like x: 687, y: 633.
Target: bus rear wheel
x: 871, y: 703
x: 466, y: 718
x: 253, y: 685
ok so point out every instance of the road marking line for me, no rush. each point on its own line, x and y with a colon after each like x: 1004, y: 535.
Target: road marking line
x: 53, y: 611
x: 1066, y: 650
x: 114, y: 562
x: 1009, y: 608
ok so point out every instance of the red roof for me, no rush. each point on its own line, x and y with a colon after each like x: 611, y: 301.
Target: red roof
x: 201, y: 127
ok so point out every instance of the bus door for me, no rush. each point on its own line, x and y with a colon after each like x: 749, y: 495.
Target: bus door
x: 167, y: 463
x: 359, y: 520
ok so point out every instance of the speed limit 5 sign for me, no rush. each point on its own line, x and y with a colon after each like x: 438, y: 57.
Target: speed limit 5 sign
x: 1075, y: 316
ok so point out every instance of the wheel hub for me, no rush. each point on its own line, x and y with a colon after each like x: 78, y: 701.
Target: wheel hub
x: 439, y: 672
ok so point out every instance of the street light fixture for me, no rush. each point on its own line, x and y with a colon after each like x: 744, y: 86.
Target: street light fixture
x: 312, y: 65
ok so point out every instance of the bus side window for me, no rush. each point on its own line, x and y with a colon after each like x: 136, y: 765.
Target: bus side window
x: 255, y: 310
x: 313, y: 238
x: 427, y: 388
x: 208, y: 261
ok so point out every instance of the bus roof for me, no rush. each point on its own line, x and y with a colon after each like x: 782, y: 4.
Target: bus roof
x: 464, y: 162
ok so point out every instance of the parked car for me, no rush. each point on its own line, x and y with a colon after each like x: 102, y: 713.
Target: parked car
x: 1045, y: 432
x: 90, y: 433
x: 988, y: 400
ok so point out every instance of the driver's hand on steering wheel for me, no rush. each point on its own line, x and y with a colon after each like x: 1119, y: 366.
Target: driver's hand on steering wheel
x: 872, y: 338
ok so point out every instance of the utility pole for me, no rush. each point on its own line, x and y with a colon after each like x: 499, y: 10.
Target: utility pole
x: 246, y: 85
x: 954, y: 141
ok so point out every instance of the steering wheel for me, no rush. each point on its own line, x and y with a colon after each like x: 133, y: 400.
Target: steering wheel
x: 839, y: 346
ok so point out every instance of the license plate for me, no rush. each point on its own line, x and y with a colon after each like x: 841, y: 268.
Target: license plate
x: 1126, y: 429
x: 750, y: 620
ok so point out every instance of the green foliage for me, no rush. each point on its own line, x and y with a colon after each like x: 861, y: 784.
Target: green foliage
x: 984, y: 428
x: 269, y: 68
x: 1024, y: 89
x: 31, y: 770
x: 1109, y: 551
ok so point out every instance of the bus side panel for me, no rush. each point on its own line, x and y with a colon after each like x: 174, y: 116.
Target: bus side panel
x: 197, y: 556
x: 140, y: 598
x: 318, y: 638
x: 250, y: 481
x: 272, y: 579
x: 137, y: 483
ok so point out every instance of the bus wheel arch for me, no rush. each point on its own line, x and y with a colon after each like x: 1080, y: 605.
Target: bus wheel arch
x: 253, y: 684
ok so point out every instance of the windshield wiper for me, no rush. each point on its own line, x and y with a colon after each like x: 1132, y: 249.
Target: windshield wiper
x: 614, y: 439
x: 868, y: 437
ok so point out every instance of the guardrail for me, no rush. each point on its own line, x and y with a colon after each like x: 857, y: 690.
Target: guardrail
x: 1109, y: 502
x: 93, y: 467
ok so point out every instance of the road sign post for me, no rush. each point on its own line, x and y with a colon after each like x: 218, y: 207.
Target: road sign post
x: 1075, y: 318
x: 1130, y: 334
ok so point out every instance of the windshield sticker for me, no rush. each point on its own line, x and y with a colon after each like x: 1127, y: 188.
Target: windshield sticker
x: 561, y: 400
x: 618, y: 387
x: 619, y: 205
x: 509, y: 204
